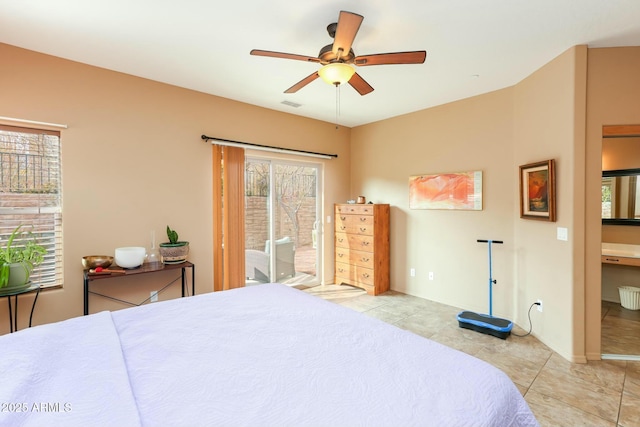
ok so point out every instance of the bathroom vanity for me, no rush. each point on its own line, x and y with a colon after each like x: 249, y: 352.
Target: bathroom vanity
x: 620, y: 264
x: 622, y: 254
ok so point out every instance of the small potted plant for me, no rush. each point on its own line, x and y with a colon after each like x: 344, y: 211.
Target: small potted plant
x: 17, y: 261
x: 173, y: 251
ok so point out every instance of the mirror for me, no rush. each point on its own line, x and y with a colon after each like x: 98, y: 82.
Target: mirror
x: 621, y: 197
x: 621, y: 168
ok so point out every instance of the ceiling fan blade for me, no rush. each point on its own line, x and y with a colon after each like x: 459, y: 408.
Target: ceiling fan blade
x: 348, y: 26
x: 271, y: 54
x: 415, y: 57
x: 302, y: 83
x: 360, y: 85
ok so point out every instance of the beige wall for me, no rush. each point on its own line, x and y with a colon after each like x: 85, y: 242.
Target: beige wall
x: 620, y: 153
x: 457, y: 137
x: 133, y: 162
x: 496, y: 132
x: 613, y: 91
x: 549, y: 123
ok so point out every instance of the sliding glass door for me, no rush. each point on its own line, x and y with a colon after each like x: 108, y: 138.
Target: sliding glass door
x: 282, y: 213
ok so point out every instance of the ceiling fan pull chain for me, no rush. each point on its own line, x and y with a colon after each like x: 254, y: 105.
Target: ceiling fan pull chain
x: 337, y: 102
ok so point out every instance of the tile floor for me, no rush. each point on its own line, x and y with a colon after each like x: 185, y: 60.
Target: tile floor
x: 620, y: 329
x: 560, y: 393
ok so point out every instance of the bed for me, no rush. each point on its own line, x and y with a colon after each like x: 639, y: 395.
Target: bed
x: 265, y: 355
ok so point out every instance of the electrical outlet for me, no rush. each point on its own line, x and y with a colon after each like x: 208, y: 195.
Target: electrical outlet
x: 539, y: 302
x: 431, y: 275
x: 154, y: 296
x: 412, y: 272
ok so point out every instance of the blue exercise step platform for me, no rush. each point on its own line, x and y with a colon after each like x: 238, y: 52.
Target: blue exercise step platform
x: 486, y: 323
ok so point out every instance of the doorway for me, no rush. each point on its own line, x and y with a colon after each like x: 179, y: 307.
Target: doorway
x: 282, y: 212
x: 620, y: 325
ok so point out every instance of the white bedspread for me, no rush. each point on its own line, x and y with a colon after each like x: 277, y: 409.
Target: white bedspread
x: 274, y: 356
x: 66, y: 374
x: 266, y: 355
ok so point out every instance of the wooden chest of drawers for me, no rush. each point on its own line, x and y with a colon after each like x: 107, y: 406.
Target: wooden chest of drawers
x: 362, y: 246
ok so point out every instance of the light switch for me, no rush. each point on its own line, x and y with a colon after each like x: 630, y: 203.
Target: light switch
x: 563, y: 233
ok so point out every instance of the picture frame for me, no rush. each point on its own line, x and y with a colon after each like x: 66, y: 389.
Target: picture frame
x: 446, y: 191
x: 538, y: 191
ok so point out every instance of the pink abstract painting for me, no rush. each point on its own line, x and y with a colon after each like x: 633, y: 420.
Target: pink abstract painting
x: 461, y: 190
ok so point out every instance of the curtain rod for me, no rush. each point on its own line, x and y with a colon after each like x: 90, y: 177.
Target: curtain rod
x: 231, y: 143
x: 32, y: 122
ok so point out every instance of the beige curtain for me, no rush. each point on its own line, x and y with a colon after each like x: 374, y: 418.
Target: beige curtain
x: 228, y: 218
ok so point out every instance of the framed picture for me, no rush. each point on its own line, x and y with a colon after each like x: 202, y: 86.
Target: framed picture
x: 459, y: 190
x: 538, y: 191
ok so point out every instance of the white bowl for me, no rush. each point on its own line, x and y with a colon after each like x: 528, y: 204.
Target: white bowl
x: 130, y: 257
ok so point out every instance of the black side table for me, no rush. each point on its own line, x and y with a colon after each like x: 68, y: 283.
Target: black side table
x: 143, y: 269
x: 13, y: 314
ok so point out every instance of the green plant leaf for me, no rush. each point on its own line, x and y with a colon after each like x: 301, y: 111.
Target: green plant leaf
x: 172, y: 235
x: 28, y: 250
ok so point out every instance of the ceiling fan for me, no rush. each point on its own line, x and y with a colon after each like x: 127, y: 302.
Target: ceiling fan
x: 337, y: 58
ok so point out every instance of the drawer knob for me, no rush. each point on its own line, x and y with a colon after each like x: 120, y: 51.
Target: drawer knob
x: 365, y: 275
x: 363, y: 229
x: 343, y: 218
x: 365, y: 259
x: 341, y: 240
x: 340, y: 255
x: 365, y: 243
x: 363, y: 218
x: 342, y: 227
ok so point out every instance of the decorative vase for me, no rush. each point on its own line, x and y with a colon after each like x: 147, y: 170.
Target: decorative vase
x: 174, y: 253
x: 153, y: 255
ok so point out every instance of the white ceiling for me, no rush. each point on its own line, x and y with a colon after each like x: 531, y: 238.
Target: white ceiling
x: 473, y: 46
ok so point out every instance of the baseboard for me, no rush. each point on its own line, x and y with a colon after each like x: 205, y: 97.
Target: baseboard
x: 594, y: 356
x: 578, y: 359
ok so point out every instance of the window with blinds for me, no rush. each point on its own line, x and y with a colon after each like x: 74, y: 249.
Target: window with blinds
x: 30, y: 194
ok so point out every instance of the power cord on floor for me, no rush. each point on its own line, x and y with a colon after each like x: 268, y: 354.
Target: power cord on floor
x: 530, y: 324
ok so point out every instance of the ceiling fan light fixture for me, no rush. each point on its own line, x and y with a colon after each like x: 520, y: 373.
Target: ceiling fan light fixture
x: 339, y: 59
x: 336, y: 73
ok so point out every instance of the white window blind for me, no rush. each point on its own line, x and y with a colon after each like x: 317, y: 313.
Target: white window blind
x: 30, y: 194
